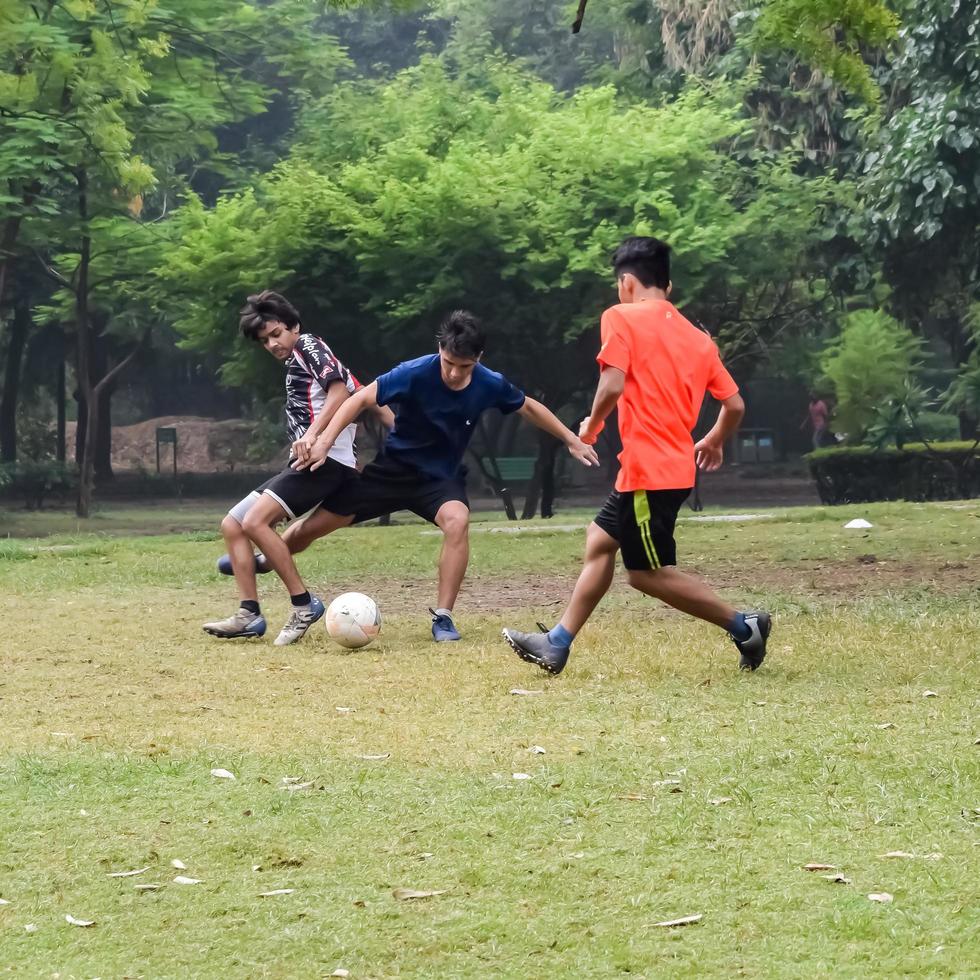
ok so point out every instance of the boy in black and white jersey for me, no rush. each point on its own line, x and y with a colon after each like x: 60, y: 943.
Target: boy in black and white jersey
x: 316, y: 385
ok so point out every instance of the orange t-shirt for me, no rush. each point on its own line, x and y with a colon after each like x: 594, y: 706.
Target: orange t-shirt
x: 669, y: 364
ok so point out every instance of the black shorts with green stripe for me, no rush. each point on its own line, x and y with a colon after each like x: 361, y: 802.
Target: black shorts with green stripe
x: 642, y: 521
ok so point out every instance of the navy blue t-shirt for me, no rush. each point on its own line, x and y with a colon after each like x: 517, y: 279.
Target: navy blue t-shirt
x: 433, y: 423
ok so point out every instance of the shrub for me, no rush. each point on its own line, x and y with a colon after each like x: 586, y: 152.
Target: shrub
x: 943, y: 471
x: 34, y: 480
x: 869, y: 365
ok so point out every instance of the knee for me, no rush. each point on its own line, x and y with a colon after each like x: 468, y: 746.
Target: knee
x: 456, y: 527
x: 252, y: 523
x: 230, y: 528
x: 645, y: 580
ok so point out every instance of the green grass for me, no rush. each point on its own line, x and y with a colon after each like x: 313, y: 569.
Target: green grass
x: 115, y: 707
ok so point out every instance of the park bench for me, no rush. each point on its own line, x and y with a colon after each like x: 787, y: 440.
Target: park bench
x: 503, y: 473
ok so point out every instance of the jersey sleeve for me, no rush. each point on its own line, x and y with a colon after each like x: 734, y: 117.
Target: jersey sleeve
x: 510, y: 398
x: 720, y: 384
x: 320, y: 361
x: 394, y: 385
x: 615, y: 349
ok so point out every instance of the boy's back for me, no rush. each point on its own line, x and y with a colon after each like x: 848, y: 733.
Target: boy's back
x: 669, y: 365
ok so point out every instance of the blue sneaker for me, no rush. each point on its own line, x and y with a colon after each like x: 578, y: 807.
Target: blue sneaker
x: 261, y: 565
x: 443, y: 628
x: 242, y: 624
x: 300, y: 620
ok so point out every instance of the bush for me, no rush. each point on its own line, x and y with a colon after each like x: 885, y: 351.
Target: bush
x: 944, y: 471
x: 33, y: 481
x: 869, y: 365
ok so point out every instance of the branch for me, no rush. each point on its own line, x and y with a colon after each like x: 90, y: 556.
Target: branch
x: 119, y: 368
x: 579, y: 17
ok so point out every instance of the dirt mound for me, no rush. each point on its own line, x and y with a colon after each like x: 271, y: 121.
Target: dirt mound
x: 203, y: 445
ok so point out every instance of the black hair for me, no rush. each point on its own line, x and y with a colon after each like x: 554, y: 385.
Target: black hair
x: 646, y: 258
x: 266, y: 307
x: 461, y: 335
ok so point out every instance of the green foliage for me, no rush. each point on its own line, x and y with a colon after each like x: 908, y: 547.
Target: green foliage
x: 964, y: 392
x: 940, y: 471
x: 869, y: 365
x: 33, y: 481
x: 830, y: 35
x: 500, y: 194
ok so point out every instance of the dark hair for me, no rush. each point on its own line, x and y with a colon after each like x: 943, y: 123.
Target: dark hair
x: 461, y: 334
x: 266, y: 307
x: 646, y: 258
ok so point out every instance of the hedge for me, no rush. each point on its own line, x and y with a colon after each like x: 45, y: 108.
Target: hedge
x: 858, y: 474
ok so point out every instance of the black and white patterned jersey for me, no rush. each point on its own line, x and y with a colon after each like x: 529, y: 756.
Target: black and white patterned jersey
x: 310, y: 371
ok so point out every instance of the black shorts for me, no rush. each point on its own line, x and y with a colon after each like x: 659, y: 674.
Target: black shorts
x: 388, y: 485
x: 642, y: 521
x: 298, y: 491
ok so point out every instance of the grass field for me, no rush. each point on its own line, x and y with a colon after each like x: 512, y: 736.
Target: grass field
x: 670, y: 784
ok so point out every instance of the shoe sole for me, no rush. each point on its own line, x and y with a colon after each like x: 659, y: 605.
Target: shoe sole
x: 750, y: 663
x: 529, y: 657
x: 247, y: 635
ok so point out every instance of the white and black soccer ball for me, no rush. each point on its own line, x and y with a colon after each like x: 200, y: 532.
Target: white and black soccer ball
x: 353, y: 620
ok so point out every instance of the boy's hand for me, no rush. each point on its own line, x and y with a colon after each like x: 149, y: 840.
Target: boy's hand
x: 303, y: 446
x: 584, y: 453
x: 315, y: 458
x: 589, y: 438
x: 708, y: 455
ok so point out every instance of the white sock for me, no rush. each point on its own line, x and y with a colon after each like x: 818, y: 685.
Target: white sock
x: 445, y: 612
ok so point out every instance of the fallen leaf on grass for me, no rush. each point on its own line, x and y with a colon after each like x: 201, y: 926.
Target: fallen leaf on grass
x: 521, y: 775
x: 277, y: 891
x: 256, y: 867
x: 930, y: 694
x: 128, y: 874
x: 719, y: 800
x: 687, y: 920
x: 884, y: 727
x: 819, y: 867
x: 183, y: 880
x: 520, y: 691
x: 667, y: 782
x: 83, y: 923
x: 898, y: 854
x: 4, y: 901
x: 147, y: 887
x: 403, y: 894
x: 30, y: 927
x: 838, y: 879
x: 882, y: 897
x: 293, y: 787
x: 633, y: 797
x: 340, y: 973
x: 344, y: 711
x: 375, y: 758
x: 536, y: 750
x: 222, y: 774
x: 178, y: 864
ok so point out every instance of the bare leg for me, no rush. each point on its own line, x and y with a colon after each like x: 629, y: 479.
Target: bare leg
x: 594, y: 579
x: 453, y: 520
x: 259, y: 525
x: 684, y: 592
x: 242, y: 558
x: 301, y: 534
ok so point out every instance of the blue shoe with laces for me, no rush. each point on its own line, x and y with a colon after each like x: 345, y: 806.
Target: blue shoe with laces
x: 443, y: 628
x: 261, y: 564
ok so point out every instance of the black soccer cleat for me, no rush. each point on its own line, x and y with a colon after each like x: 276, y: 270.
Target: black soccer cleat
x: 753, y: 650
x: 537, y: 649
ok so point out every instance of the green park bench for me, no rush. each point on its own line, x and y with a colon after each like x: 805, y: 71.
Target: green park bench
x: 503, y: 473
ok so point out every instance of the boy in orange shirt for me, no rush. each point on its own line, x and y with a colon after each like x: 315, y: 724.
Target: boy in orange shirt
x: 656, y: 366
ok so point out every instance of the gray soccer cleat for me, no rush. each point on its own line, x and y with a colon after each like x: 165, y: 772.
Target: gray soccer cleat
x: 753, y: 650
x: 537, y: 649
x: 300, y: 620
x: 241, y: 625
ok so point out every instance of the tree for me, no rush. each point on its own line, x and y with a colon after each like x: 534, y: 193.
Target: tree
x: 505, y: 197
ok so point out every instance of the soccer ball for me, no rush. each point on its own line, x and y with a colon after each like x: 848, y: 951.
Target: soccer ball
x: 353, y: 620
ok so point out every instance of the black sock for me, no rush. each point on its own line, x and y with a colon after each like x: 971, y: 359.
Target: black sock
x: 252, y: 605
x: 303, y: 599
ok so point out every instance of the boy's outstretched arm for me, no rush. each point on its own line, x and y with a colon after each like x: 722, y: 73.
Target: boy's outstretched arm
x: 545, y: 419
x: 346, y: 413
x: 710, y: 451
x: 612, y: 381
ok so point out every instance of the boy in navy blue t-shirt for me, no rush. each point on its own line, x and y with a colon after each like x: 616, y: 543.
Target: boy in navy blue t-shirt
x: 437, y: 401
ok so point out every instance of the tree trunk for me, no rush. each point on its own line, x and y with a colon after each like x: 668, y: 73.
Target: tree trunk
x: 19, y: 329
x: 88, y: 405
x: 60, y: 399
x: 103, y: 437
x: 542, y: 485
